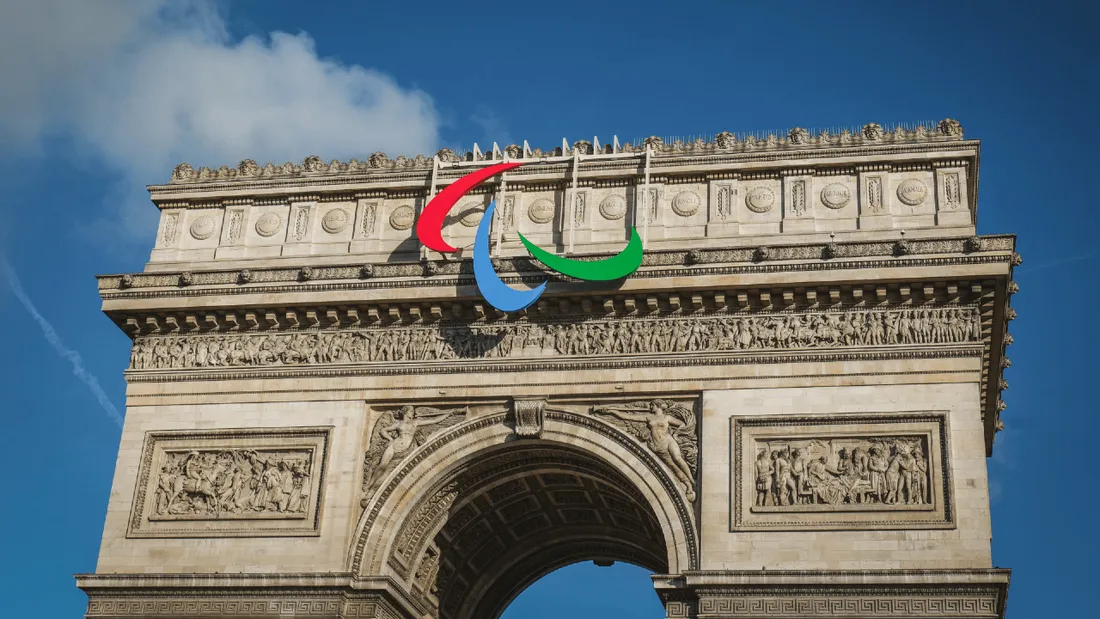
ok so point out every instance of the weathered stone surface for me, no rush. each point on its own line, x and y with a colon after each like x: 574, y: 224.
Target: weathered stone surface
x: 804, y: 376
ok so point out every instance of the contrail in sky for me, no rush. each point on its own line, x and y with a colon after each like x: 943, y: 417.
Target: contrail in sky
x: 1048, y: 265
x: 51, y: 336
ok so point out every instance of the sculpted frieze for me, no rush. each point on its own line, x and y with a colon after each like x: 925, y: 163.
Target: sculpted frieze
x: 231, y: 483
x: 529, y: 339
x: 841, y: 472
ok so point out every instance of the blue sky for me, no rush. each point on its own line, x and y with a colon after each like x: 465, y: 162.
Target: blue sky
x: 106, y: 99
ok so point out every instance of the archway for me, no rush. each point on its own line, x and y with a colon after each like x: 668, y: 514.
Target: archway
x: 478, y: 515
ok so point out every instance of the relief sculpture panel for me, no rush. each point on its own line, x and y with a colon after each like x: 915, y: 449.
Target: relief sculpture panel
x: 400, y: 431
x: 845, y: 472
x: 528, y: 339
x: 230, y: 483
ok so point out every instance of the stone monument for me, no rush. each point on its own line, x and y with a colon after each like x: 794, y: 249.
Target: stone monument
x: 785, y: 412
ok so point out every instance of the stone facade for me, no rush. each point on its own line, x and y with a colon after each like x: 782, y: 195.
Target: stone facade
x: 784, y: 412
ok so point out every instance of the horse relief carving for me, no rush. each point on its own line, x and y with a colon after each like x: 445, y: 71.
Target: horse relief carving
x: 232, y: 483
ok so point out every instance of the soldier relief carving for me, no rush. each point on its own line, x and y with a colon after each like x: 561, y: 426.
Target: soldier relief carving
x: 841, y: 472
x: 519, y: 340
x: 232, y: 483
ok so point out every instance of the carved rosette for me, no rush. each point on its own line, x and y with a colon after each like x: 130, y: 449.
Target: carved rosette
x: 268, y: 224
x: 203, y: 228
x: 470, y: 214
x: 836, y: 195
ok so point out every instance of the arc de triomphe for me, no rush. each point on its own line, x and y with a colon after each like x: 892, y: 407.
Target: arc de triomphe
x: 785, y: 412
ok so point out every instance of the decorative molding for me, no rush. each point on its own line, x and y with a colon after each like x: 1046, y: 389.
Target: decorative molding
x: 797, y: 139
x: 402, y: 217
x: 231, y: 483
x: 263, y: 595
x: 797, y: 472
x: 449, y: 341
x: 989, y: 248
x: 669, y: 482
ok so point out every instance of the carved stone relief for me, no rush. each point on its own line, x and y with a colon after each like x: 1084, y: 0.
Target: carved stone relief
x: 724, y: 206
x: 529, y: 417
x: 236, y: 224
x: 335, y: 221
x: 449, y: 341
x: 841, y: 472
x: 836, y: 195
x: 951, y: 190
x: 402, y: 217
x: 667, y: 428
x: 230, y: 483
x: 268, y: 224
x: 874, y: 194
x: 541, y: 211
x: 507, y: 218
x: 370, y: 214
x: 912, y: 192
x: 613, y: 208
x: 170, y: 222
x: 400, y: 431
x: 759, y: 199
x: 579, y: 203
x: 203, y: 228
x: 301, y: 222
x: 686, y: 203
x: 798, y: 198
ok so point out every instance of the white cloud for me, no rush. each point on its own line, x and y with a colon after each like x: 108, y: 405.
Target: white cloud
x: 144, y: 84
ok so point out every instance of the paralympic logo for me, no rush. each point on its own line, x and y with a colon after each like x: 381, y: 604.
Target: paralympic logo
x: 429, y: 229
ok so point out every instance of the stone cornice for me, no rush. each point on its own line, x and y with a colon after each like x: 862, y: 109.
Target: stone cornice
x: 668, y: 169
x: 798, y: 143
x: 754, y: 578
x: 339, y: 594
x: 660, y: 263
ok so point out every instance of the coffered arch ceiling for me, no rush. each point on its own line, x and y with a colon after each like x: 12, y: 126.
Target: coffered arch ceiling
x: 543, y: 506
